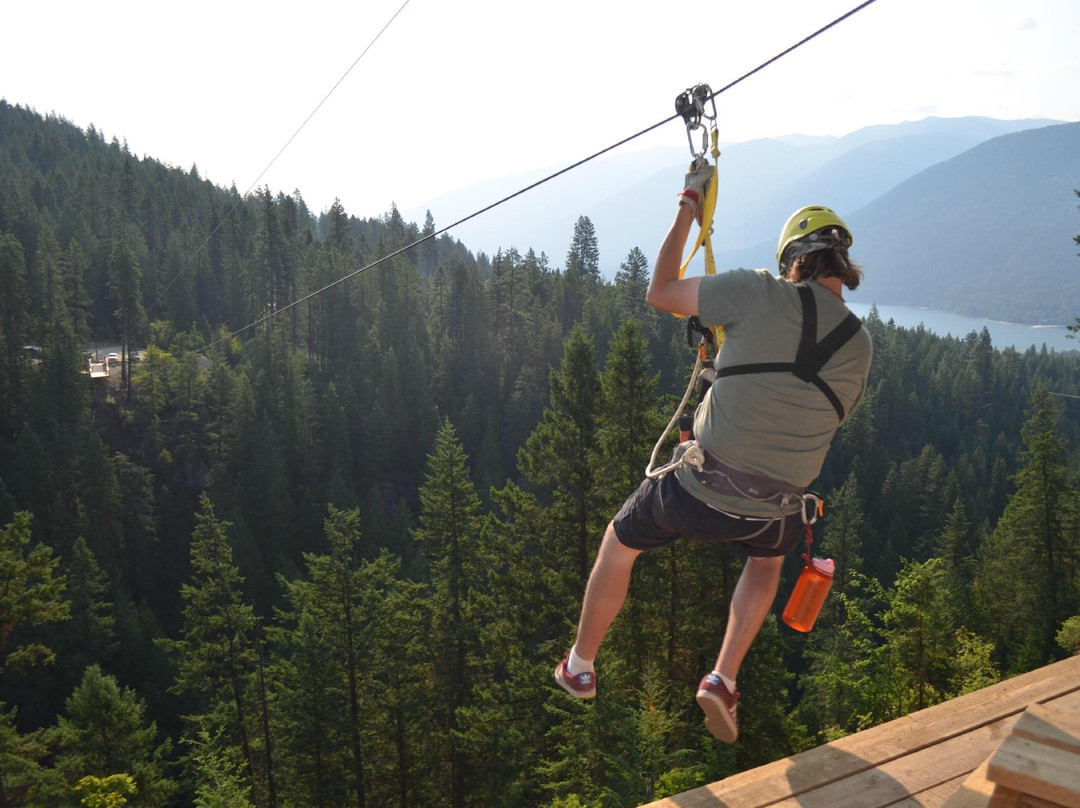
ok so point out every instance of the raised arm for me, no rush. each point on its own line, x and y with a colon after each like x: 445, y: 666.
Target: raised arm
x: 667, y: 292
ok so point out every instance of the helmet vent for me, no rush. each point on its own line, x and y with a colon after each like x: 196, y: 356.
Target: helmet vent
x: 803, y: 224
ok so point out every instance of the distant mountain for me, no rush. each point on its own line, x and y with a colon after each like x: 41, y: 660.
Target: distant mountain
x: 988, y: 233
x: 630, y: 195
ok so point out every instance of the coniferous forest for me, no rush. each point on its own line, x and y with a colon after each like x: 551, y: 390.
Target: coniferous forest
x: 332, y: 560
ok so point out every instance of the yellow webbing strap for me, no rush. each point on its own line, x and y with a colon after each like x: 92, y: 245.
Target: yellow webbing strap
x: 707, y: 211
x: 704, y: 237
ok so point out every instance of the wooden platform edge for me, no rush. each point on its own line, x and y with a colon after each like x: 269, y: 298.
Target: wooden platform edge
x: 871, y: 748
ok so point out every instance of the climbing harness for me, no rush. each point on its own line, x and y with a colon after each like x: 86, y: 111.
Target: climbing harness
x: 811, y: 355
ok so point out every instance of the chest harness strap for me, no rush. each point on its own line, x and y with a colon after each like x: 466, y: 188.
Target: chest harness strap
x: 811, y: 355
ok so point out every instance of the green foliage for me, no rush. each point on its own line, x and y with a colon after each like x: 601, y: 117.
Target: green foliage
x: 31, y: 594
x: 21, y: 763
x: 105, y: 792
x: 1026, y: 565
x: 105, y: 731
x: 397, y: 647
x: 219, y: 782
x: 1068, y: 636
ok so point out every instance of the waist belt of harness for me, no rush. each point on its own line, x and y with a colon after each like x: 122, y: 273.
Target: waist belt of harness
x: 811, y: 355
x: 729, y: 481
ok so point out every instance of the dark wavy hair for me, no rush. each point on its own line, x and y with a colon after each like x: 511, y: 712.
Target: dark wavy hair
x: 829, y: 263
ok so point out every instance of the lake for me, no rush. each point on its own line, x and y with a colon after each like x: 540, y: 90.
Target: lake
x: 1020, y: 337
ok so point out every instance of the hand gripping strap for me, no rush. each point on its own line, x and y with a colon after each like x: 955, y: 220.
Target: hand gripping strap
x: 707, y: 211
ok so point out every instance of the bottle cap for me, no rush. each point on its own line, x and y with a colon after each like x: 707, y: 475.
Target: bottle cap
x: 823, y: 565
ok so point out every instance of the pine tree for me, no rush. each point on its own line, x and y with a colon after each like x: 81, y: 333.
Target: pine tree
x: 105, y: 732
x: 920, y: 630
x: 219, y: 781
x: 558, y: 459
x: 90, y: 634
x: 631, y: 284
x: 843, y: 538
x: 33, y: 595
x: 125, y: 290
x: 627, y: 422
x: 216, y: 654
x: 351, y: 669
x: 14, y: 328
x: 448, y: 533
x: 842, y: 691
x: 583, y: 257
x: 1032, y: 550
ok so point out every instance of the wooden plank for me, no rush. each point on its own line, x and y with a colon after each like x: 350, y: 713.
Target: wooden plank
x: 908, y: 775
x: 1052, y: 726
x: 1033, y: 768
x: 939, y: 796
x: 864, y: 751
x: 935, y: 797
x: 975, y: 791
x: 1005, y: 798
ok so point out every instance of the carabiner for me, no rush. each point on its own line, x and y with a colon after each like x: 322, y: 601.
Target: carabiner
x: 817, y: 507
x: 691, y: 106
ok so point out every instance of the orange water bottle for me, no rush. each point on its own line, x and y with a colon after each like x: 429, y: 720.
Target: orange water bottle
x: 809, y: 594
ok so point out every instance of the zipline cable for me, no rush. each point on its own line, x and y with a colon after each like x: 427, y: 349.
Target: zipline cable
x: 270, y: 165
x: 539, y: 182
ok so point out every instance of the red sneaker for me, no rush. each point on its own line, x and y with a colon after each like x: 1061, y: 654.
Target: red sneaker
x: 719, y: 705
x: 582, y: 686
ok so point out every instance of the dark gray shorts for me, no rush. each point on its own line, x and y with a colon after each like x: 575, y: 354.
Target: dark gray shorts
x: 661, y: 511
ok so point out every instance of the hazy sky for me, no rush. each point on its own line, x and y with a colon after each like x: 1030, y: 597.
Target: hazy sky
x: 455, y: 92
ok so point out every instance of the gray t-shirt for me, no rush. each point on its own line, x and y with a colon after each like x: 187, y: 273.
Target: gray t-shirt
x: 771, y: 423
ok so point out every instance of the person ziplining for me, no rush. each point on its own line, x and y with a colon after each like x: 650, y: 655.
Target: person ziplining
x: 792, y: 365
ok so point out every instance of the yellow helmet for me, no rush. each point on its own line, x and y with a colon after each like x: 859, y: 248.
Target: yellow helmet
x: 805, y: 221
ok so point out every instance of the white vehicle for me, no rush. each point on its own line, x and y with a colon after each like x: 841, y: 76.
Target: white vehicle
x: 114, y: 357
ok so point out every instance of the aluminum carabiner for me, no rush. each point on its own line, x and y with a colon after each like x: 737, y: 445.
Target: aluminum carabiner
x: 691, y: 106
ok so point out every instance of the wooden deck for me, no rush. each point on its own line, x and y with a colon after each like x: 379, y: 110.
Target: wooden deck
x: 922, y: 759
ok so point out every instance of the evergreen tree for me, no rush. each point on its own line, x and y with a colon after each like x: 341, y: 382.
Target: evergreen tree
x: 843, y: 538
x: 216, y: 655
x: 125, y: 290
x: 219, y: 781
x: 627, y: 422
x: 14, y: 328
x: 33, y: 595
x: 558, y: 459
x: 351, y: 669
x: 583, y: 257
x: 921, y: 631
x: 448, y: 533
x: 105, y: 732
x: 631, y: 284
x: 841, y: 687
x: 90, y: 634
x: 1027, y: 565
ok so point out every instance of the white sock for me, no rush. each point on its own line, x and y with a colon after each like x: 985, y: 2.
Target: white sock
x: 728, y: 683
x: 575, y: 665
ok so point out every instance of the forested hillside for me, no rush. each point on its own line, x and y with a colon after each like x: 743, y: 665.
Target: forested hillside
x: 333, y: 559
x: 953, y: 237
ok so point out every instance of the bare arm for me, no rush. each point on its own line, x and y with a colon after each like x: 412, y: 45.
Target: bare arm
x: 666, y: 291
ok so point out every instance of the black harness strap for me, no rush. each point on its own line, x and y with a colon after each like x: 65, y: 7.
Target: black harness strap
x: 811, y: 355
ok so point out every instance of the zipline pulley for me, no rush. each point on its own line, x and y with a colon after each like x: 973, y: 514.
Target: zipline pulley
x: 695, y: 105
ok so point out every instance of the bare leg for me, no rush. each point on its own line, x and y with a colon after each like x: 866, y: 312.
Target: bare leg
x: 605, y: 592
x: 754, y: 596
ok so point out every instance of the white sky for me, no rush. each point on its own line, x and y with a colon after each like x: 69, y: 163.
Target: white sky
x: 456, y: 92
